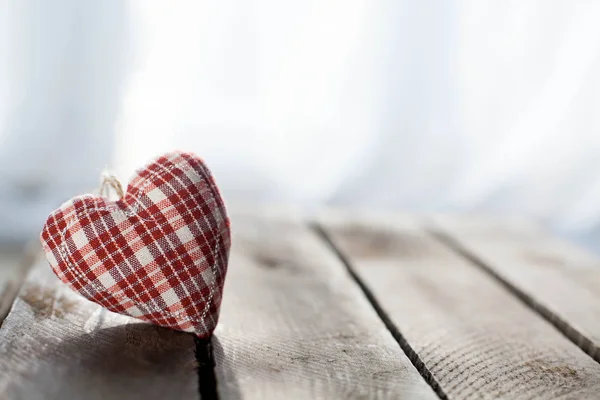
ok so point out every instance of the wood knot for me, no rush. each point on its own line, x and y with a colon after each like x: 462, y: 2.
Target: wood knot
x: 374, y: 242
x: 543, y: 260
x: 274, y: 260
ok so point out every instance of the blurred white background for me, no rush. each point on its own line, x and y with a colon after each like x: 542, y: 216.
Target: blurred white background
x: 425, y: 106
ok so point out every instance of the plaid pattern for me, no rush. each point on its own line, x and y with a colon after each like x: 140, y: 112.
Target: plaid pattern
x: 159, y: 254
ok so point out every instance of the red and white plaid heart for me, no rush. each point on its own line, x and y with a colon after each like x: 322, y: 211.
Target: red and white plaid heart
x: 159, y: 254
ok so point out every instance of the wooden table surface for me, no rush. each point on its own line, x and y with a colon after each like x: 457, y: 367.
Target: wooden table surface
x: 342, y: 306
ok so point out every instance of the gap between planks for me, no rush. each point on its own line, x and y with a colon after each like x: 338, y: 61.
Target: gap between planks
x: 295, y: 325
x: 559, y: 323
x: 412, y: 355
x: 207, y: 380
x: 555, y: 267
x: 472, y: 335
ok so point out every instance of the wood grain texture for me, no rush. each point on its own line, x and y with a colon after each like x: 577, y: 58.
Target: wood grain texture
x: 294, y: 325
x: 558, y: 279
x: 55, y: 344
x: 474, y: 336
x: 14, y: 263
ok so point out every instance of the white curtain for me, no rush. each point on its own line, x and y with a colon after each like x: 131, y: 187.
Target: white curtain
x: 488, y: 106
x: 63, y: 67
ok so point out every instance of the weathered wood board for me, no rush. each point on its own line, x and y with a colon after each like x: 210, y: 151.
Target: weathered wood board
x: 14, y: 263
x: 56, y: 345
x: 294, y: 325
x: 475, y: 337
x: 558, y: 279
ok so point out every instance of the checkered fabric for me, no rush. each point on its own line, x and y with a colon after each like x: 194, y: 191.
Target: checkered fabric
x: 159, y: 254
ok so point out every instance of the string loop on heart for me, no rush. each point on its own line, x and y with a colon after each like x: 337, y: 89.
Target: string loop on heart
x: 110, y: 181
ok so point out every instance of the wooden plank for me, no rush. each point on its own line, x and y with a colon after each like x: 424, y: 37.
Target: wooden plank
x: 475, y: 337
x: 15, y: 261
x: 55, y: 344
x: 294, y: 325
x: 558, y: 279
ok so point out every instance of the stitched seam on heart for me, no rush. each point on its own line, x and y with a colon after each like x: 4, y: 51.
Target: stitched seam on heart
x: 217, y: 248
x: 131, y: 213
x: 118, y: 296
x: 151, y: 307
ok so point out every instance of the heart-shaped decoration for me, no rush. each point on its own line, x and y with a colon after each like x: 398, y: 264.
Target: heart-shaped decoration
x: 158, y: 254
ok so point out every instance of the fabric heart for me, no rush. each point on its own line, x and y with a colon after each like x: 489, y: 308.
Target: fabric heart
x: 158, y: 254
